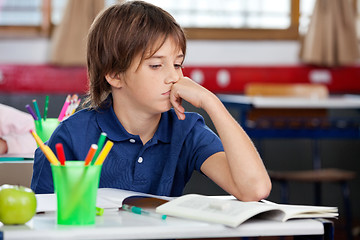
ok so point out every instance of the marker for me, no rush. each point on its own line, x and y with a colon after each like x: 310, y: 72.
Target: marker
x: 31, y: 111
x: 46, y: 106
x: 104, y: 152
x: 141, y: 211
x: 36, y: 109
x: 64, y: 108
x: 90, y: 154
x: 45, y: 149
x: 60, y: 153
x: 75, y: 106
x: 99, y: 211
x: 100, y: 144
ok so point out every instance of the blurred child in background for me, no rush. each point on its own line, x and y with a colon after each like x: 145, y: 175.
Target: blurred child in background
x: 15, y: 137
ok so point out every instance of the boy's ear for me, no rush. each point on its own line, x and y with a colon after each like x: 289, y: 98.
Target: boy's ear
x: 114, y: 80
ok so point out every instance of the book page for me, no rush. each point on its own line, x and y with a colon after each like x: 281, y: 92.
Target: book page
x: 45, y: 202
x: 115, y: 198
x: 301, y: 211
x: 106, y: 198
x: 203, y: 208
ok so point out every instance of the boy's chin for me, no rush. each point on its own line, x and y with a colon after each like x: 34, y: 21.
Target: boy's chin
x: 167, y: 107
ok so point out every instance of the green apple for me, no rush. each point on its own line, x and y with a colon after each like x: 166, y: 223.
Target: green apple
x: 17, y: 204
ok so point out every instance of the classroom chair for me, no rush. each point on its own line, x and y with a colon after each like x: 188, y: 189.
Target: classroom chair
x: 299, y: 119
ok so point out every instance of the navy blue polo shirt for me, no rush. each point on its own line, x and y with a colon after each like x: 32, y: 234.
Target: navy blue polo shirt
x: 162, y: 166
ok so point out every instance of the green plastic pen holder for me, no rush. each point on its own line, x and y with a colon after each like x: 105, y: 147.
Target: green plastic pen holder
x: 44, y: 128
x: 76, y: 190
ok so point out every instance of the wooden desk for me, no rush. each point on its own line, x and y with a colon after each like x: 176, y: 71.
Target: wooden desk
x: 124, y: 225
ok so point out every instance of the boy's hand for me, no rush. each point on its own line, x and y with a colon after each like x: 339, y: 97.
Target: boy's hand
x: 190, y: 91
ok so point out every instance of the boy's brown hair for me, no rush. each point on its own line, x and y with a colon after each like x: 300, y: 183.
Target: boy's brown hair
x: 118, y: 35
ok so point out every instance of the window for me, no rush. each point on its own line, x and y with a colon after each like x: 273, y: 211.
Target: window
x: 234, y: 19
x: 201, y: 19
x: 29, y: 17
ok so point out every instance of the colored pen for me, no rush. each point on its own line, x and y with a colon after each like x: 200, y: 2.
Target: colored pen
x: 104, y: 152
x: 46, y: 107
x: 64, y: 108
x: 60, y: 153
x: 90, y: 154
x: 72, y: 105
x: 36, y: 109
x: 45, y: 149
x: 31, y: 111
x: 76, y: 105
x: 100, y: 144
x: 99, y: 211
x: 141, y: 211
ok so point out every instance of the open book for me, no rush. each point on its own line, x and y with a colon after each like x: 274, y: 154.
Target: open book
x: 107, y: 198
x: 115, y: 198
x: 233, y: 212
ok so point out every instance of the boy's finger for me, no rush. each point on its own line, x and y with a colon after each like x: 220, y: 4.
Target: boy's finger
x: 179, y: 109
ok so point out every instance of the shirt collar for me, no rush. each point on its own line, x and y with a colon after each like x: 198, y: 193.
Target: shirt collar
x: 110, y: 124
x: 165, y: 129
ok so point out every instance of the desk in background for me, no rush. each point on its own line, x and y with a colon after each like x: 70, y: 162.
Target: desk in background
x: 310, y: 118
x: 323, y: 125
x: 16, y: 169
x: 124, y: 225
x: 16, y: 157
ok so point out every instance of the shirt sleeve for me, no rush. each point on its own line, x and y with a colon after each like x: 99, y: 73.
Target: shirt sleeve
x: 203, y: 143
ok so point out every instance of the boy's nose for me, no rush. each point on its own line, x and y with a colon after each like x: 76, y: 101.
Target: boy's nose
x: 173, y: 76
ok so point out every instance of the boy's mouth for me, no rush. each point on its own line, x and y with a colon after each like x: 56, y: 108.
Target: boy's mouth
x: 166, y: 93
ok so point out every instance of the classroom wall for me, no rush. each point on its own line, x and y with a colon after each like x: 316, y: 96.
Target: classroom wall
x: 208, y: 53
x: 277, y: 154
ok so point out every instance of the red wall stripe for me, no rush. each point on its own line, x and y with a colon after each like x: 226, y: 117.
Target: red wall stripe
x: 219, y: 79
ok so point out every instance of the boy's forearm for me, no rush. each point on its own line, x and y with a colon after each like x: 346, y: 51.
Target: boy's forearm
x: 245, y: 164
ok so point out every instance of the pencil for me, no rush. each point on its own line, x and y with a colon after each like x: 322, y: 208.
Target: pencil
x: 31, y: 111
x: 64, y: 108
x: 100, y: 144
x: 90, y: 154
x: 109, y: 144
x: 60, y: 153
x: 46, y: 106
x: 45, y: 149
x: 36, y: 109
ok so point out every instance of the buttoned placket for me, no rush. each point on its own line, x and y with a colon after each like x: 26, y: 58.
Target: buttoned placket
x: 140, y: 158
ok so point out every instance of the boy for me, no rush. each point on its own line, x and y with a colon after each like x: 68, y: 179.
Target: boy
x: 135, y: 53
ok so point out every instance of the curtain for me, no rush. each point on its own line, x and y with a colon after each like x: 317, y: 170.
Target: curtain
x: 68, y: 44
x: 331, y: 39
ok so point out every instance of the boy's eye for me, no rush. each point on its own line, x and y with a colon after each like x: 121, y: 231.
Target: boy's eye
x: 177, y: 66
x: 155, y: 66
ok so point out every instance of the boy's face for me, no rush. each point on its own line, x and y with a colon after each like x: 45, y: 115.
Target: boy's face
x: 147, y: 84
